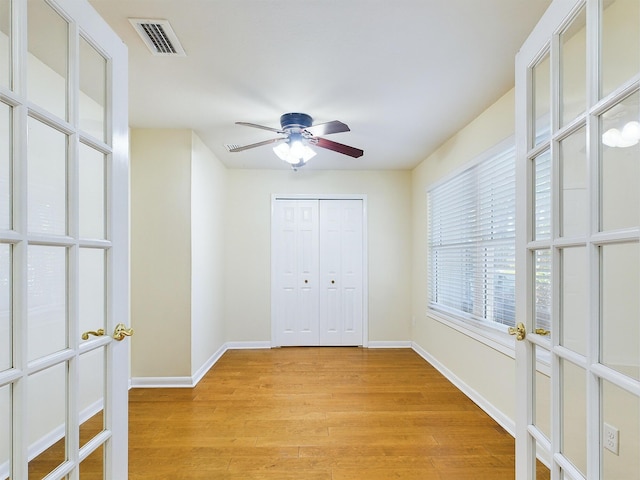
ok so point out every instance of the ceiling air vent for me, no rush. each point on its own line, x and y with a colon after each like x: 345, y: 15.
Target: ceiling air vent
x: 158, y: 36
x: 231, y: 146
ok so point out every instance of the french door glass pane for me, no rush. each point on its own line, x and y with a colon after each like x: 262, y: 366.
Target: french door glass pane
x: 541, y: 101
x: 47, y: 63
x: 92, y: 467
x: 5, y: 45
x: 47, y: 300
x: 47, y: 179
x: 573, y: 179
x: 574, y: 299
x: 93, y: 87
x: 542, y: 286
x: 46, y: 419
x: 542, y: 196
x: 620, y: 307
x: 92, y: 291
x: 92, y: 192
x: 5, y: 166
x: 542, y: 412
x: 620, y: 43
x: 621, y: 410
x: 92, y: 383
x: 573, y: 68
x: 620, y: 168
x: 5, y: 431
x: 5, y: 307
x: 574, y: 414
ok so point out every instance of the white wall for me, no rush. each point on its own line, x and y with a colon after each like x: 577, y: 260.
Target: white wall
x: 473, y: 362
x: 161, y: 252
x: 178, y: 207
x: 208, y: 212
x: 248, y: 247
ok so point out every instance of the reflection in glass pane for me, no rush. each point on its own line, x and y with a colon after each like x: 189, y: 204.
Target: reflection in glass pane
x: 573, y: 69
x: 92, y: 382
x: 47, y: 184
x: 5, y: 431
x: 92, y: 291
x: 543, y: 289
x: 46, y: 419
x: 92, y: 467
x: 542, y: 412
x: 574, y: 299
x: 541, y: 101
x: 620, y: 166
x: 92, y: 192
x: 93, y: 78
x: 573, y: 178
x: 5, y: 166
x: 5, y: 45
x: 620, y: 307
x: 47, y: 60
x: 621, y: 410
x: 5, y: 307
x: 542, y: 196
x: 574, y: 414
x: 620, y: 43
x: 47, y: 300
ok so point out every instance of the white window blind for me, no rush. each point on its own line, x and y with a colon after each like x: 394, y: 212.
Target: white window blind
x: 472, y: 242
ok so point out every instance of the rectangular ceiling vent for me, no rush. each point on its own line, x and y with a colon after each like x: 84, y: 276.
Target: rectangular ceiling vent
x: 231, y: 146
x: 158, y: 36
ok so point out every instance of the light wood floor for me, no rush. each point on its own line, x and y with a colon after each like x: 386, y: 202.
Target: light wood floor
x: 308, y: 414
x: 317, y: 414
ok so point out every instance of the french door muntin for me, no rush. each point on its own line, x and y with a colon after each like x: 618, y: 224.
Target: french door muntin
x: 568, y: 237
x: 63, y: 239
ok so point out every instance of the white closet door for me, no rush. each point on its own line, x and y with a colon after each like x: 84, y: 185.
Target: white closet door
x: 341, y: 252
x: 295, y: 272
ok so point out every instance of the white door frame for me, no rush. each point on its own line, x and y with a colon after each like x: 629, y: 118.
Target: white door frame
x: 365, y: 256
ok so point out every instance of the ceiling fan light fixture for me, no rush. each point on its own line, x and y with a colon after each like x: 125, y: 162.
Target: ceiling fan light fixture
x: 296, y: 152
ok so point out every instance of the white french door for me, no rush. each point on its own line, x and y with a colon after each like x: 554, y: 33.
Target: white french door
x: 295, y: 272
x: 318, y: 271
x: 63, y: 243
x: 578, y: 268
x: 341, y: 259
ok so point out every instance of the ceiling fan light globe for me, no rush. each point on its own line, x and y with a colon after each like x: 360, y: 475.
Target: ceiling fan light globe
x: 307, y: 154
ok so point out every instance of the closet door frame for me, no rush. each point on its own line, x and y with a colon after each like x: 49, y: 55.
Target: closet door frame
x: 365, y: 257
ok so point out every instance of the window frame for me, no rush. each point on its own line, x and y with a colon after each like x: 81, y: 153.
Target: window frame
x: 488, y: 332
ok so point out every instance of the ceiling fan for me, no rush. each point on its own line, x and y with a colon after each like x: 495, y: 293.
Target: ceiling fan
x: 299, y: 133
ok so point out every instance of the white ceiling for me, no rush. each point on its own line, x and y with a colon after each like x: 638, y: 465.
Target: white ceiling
x: 405, y: 75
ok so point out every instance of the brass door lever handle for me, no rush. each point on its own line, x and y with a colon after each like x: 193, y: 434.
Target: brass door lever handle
x: 96, y: 333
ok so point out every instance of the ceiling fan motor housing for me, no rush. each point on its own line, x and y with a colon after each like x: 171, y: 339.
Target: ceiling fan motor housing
x: 295, y: 120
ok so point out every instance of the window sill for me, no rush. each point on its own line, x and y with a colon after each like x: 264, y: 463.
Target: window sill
x: 492, y: 337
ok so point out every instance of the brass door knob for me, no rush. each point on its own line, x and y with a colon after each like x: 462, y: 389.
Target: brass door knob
x: 519, y: 331
x: 121, y: 331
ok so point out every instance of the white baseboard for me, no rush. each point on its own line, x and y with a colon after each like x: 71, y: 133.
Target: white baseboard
x: 206, y: 366
x: 387, y: 344
x: 247, y: 345
x: 504, y: 421
x: 192, y: 381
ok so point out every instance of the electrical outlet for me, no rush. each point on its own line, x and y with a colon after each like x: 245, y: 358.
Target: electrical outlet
x: 611, y: 435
